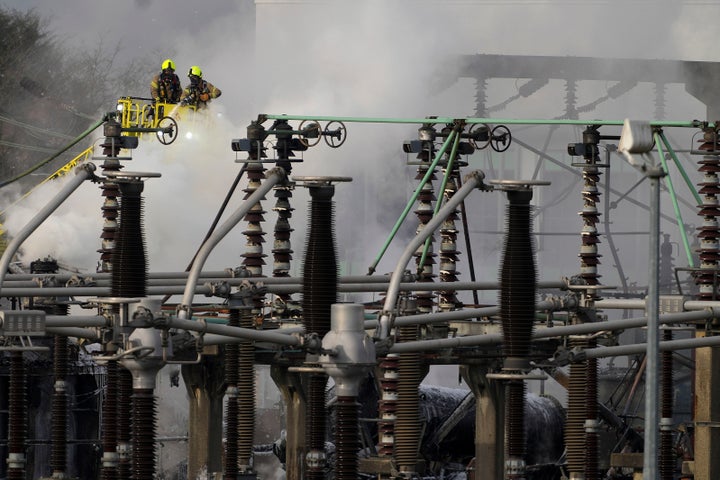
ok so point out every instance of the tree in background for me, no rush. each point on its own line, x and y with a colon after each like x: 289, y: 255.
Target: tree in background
x: 49, y: 94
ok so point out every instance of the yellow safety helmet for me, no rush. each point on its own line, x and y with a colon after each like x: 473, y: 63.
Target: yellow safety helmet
x: 195, y: 70
x: 168, y: 64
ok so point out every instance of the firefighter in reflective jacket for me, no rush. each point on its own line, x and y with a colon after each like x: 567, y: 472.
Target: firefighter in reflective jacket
x: 165, y: 86
x: 199, y: 92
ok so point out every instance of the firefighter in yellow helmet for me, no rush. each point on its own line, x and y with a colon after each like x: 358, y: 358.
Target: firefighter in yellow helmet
x: 199, y: 92
x: 165, y: 86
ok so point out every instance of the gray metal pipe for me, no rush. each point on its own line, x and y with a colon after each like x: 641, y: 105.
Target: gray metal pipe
x: 472, y: 181
x: 236, y: 332
x: 272, y: 178
x: 82, y: 173
x: 637, y: 348
x: 74, y: 332
x: 76, y: 321
x: 580, y: 329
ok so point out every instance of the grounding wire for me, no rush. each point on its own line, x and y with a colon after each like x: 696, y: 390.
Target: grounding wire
x: 55, y: 155
x: 33, y: 128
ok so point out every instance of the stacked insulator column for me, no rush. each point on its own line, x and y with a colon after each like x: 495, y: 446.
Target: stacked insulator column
x: 424, y: 213
x: 667, y: 266
x: 589, y: 257
x: 390, y: 390
x: 110, y: 212
x: 481, y: 97
x: 408, y: 428
x: 253, y: 255
x: 320, y: 279
x: 17, y: 418
x: 109, y: 419
x: 667, y: 454
x: 129, y: 275
x: 110, y: 191
x: 231, y: 403
x: 448, y: 253
x: 58, y: 456
x: 576, y: 415
x: 282, y: 251
x: 387, y: 406
x: 346, y: 438
x: 709, y: 232
x: 144, y: 407
x: 246, y: 399
x: 582, y: 415
x: 136, y: 407
x: 517, y: 312
x: 570, y: 99
x: 123, y: 422
x: 592, y: 470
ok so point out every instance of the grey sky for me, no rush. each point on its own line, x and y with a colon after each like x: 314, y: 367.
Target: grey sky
x: 139, y: 25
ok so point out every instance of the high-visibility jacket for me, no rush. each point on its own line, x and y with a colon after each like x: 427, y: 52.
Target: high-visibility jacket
x: 199, y: 94
x: 165, y: 87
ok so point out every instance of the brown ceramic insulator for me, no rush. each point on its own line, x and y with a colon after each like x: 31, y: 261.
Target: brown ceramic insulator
x: 708, y: 253
x: 144, y: 419
x: 576, y: 415
x: 231, y: 402
x: 515, y: 420
x: 246, y: 395
x: 230, y: 459
x: 709, y: 166
x: 17, y: 412
x: 408, y: 427
x: 422, y: 171
x: 315, y: 423
x: 232, y: 410
x: 110, y: 207
x: 709, y: 188
x: 255, y: 236
x: 320, y: 272
x: 518, y: 277
x: 109, y: 417
x: 424, y: 213
x: 589, y: 257
x: 58, y: 454
x: 592, y: 469
x: 667, y: 454
x: 282, y: 252
x: 129, y: 263
x: 347, y: 438
x: 448, y: 254
x: 123, y: 420
x: 387, y: 405
x: 320, y: 286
